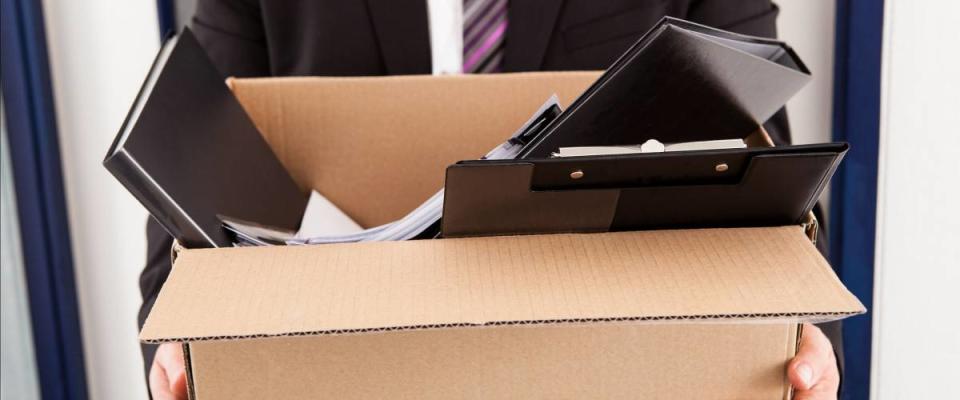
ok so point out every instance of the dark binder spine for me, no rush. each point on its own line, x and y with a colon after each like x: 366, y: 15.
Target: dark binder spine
x: 143, y: 187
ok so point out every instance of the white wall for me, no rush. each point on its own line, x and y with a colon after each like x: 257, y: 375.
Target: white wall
x: 100, y: 51
x: 18, y: 363
x: 808, y: 26
x: 916, y: 332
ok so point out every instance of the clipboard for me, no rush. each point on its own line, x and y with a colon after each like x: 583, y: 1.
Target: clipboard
x: 757, y: 186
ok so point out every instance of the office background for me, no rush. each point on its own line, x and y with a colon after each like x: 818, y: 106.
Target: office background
x: 73, y: 242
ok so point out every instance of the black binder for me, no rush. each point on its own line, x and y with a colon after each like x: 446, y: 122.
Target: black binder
x: 766, y: 186
x: 681, y: 82
x: 189, y: 152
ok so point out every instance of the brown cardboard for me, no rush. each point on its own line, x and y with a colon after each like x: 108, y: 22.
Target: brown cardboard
x: 592, y: 362
x: 705, y: 274
x: 708, y: 313
x: 378, y: 147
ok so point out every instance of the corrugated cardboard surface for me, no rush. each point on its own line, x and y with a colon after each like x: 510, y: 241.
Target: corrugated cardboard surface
x: 711, y: 274
x: 378, y: 147
x: 594, y: 362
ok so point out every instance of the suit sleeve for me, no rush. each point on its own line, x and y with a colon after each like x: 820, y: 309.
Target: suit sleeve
x: 759, y: 18
x: 231, y: 31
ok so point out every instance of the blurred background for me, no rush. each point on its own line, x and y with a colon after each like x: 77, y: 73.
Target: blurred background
x: 73, y: 240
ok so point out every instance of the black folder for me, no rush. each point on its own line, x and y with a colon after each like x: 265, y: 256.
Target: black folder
x: 766, y: 186
x: 681, y: 82
x: 189, y: 153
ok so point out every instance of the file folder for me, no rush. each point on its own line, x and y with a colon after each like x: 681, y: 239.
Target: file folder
x: 681, y: 82
x: 750, y: 187
x: 189, y: 152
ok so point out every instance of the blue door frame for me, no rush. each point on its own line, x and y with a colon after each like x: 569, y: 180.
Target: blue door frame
x: 38, y: 182
x: 166, y: 17
x: 856, y: 119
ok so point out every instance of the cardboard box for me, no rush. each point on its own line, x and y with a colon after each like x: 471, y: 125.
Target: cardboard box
x: 704, y: 313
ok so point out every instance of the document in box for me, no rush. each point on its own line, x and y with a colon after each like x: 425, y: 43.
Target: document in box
x: 323, y: 222
x: 320, y: 218
x: 323, y: 218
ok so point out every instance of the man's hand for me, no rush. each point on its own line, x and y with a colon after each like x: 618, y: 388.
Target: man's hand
x: 813, y: 372
x: 168, y: 379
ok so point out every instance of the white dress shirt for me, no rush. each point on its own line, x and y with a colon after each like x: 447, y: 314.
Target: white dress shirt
x: 446, y: 35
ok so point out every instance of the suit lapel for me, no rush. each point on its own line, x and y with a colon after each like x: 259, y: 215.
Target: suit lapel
x: 403, y: 34
x: 529, y: 27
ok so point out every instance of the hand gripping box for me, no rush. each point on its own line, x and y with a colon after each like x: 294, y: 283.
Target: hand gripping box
x: 699, y: 313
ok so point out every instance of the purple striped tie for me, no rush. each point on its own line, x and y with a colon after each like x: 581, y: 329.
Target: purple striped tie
x: 484, y: 28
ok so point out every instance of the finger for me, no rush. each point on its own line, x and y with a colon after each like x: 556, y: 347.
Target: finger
x: 159, y: 385
x: 826, y: 389
x: 813, y: 395
x: 813, y: 361
x: 177, y: 380
x: 168, y: 378
x: 170, y: 357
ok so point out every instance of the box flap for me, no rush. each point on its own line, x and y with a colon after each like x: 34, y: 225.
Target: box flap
x: 655, y: 276
x: 377, y: 147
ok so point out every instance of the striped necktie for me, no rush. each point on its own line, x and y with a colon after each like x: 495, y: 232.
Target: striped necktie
x: 484, y: 28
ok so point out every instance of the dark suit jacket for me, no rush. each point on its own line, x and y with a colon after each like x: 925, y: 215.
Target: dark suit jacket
x: 391, y: 37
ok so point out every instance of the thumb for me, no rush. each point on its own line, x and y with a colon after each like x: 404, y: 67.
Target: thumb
x: 168, y: 379
x: 812, y: 360
x: 178, y: 382
x: 803, y: 375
